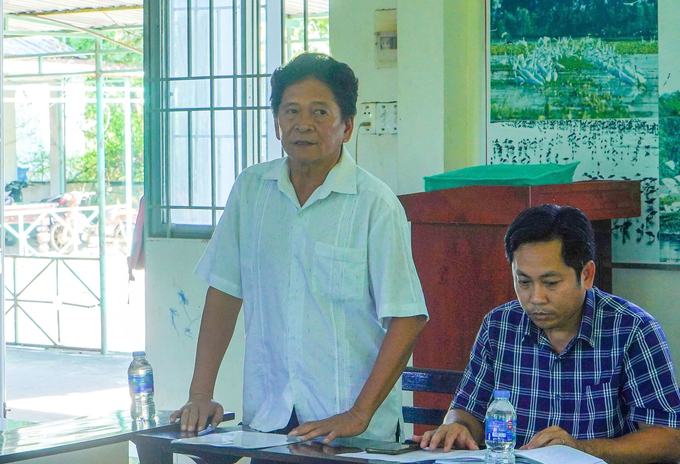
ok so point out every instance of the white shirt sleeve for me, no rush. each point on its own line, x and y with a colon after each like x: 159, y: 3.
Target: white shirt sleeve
x: 220, y: 265
x: 392, y: 274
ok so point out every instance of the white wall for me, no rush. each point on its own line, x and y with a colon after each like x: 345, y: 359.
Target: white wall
x: 353, y: 42
x: 438, y: 83
x: 171, y: 351
x: 658, y: 292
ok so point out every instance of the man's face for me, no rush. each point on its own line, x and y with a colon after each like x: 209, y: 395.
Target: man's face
x: 549, y: 291
x: 309, y: 123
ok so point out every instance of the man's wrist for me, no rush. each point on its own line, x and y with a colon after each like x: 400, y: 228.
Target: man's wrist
x: 200, y: 396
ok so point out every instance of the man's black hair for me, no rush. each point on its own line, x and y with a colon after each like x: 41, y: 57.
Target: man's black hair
x: 548, y: 222
x: 337, y: 76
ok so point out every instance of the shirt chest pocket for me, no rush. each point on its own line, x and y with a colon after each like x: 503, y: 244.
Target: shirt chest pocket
x: 339, y: 273
x: 602, y: 409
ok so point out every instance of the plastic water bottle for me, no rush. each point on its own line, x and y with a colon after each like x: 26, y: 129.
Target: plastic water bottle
x: 500, y: 424
x: 140, y: 382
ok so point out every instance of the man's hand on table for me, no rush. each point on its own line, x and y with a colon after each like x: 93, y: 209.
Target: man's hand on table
x: 554, y: 435
x: 448, y: 436
x: 348, y: 424
x: 195, y: 414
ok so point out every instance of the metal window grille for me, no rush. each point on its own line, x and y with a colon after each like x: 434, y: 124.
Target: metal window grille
x: 207, y: 69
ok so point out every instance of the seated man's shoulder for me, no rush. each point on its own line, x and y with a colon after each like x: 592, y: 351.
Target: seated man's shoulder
x: 619, y: 309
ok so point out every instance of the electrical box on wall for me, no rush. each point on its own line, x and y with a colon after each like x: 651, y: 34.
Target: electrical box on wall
x: 387, y: 46
x: 385, y: 38
x: 367, y: 117
x: 378, y: 118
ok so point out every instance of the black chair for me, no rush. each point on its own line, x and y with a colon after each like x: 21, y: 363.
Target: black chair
x: 418, y: 379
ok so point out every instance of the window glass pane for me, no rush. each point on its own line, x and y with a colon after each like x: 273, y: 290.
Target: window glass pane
x: 223, y: 40
x: 190, y: 94
x: 265, y: 91
x: 224, y: 155
x: 201, y: 166
x: 177, y: 39
x: 178, y: 157
x: 191, y: 217
x: 318, y: 29
x: 317, y: 33
x: 224, y: 92
x: 200, y: 37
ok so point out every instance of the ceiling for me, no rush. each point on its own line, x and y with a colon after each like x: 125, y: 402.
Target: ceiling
x: 26, y: 16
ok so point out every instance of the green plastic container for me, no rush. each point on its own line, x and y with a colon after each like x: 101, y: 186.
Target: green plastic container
x: 504, y: 174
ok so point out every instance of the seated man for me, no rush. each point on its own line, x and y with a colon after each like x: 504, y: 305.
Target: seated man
x: 585, y: 369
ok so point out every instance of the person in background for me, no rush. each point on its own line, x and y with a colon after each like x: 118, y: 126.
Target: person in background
x: 585, y: 369
x: 317, y: 252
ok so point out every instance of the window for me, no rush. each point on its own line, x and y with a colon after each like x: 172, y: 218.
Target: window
x: 307, y: 27
x: 208, y: 64
x: 207, y: 70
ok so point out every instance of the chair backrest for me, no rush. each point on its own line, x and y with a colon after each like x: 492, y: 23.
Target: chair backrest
x: 418, y: 379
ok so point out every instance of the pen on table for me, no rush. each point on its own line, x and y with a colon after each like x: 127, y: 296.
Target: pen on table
x: 209, y: 429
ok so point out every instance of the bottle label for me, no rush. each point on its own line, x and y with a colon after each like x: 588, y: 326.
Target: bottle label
x: 141, y: 383
x: 500, y: 430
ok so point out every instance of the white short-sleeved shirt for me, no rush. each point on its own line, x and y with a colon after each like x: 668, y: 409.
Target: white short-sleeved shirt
x: 319, y: 284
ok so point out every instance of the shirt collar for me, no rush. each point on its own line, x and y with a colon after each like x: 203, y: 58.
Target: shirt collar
x: 585, y: 331
x: 342, y: 178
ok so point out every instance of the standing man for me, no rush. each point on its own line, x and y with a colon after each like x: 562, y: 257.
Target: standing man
x: 317, y: 251
x: 584, y: 368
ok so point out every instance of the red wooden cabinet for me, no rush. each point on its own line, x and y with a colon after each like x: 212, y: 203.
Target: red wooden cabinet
x: 458, y: 249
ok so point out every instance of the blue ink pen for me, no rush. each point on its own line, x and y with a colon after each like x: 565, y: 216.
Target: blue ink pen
x: 209, y: 429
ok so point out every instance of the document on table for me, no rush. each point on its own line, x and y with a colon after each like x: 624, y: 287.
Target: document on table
x: 240, y: 439
x: 558, y: 454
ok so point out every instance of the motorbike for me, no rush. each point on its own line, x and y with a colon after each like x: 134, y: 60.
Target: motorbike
x: 76, y: 228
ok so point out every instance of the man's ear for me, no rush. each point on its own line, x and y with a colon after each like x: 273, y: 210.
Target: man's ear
x: 277, y: 129
x: 349, y: 127
x: 588, y: 275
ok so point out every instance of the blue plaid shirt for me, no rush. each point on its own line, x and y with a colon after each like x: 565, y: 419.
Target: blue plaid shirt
x: 617, y: 371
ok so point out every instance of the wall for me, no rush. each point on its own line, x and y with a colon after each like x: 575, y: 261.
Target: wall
x: 438, y: 83
x: 353, y: 42
x: 171, y: 349
x: 656, y: 291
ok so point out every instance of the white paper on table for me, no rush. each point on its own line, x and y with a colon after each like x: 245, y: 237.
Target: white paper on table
x: 240, y: 439
x: 557, y: 454
x: 422, y: 455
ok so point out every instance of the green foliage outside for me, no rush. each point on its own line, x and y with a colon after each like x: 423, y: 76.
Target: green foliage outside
x: 84, y: 169
x: 512, y: 20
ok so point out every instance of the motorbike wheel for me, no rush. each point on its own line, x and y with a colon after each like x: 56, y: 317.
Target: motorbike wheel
x: 62, y: 238
x: 119, y: 238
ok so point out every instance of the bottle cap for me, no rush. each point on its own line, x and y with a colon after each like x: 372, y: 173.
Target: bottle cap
x: 501, y: 394
x: 138, y: 354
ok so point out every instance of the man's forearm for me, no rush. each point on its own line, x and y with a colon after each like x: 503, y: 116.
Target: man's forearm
x: 650, y: 444
x: 393, y: 356
x: 217, y: 328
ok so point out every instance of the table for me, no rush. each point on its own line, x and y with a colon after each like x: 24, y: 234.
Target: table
x: 155, y: 448
x: 64, y: 436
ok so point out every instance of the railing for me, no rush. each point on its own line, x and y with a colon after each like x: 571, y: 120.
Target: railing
x: 51, y: 239
x: 17, y: 303
x: 41, y: 229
